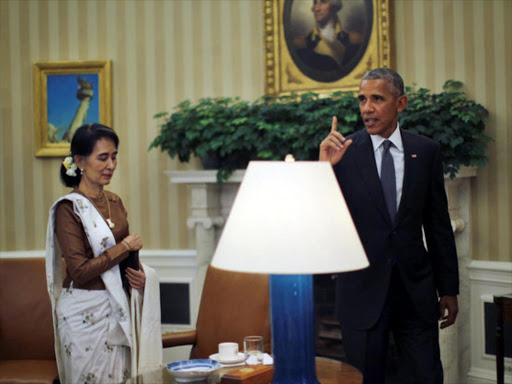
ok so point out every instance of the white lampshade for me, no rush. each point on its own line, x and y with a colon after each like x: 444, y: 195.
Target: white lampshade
x: 289, y: 218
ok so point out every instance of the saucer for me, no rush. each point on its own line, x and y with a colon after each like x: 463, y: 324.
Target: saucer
x: 238, y: 359
x: 187, y: 371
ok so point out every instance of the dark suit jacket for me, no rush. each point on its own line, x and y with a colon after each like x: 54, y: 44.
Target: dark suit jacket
x: 361, y: 294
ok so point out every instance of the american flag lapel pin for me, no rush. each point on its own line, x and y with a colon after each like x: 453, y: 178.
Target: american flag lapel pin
x: 414, y: 156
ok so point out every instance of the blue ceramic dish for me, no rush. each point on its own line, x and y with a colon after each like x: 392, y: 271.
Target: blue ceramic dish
x: 187, y: 371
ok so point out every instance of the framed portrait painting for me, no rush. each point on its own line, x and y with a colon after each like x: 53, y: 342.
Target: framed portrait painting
x: 324, y: 45
x: 67, y: 95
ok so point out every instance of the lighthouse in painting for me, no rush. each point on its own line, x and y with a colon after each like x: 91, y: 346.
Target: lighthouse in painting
x: 84, y: 94
x: 65, y: 115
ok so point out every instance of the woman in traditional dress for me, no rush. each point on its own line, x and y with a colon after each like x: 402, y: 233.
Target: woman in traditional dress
x: 107, y: 298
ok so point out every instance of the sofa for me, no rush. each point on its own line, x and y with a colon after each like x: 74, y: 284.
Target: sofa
x: 27, y: 352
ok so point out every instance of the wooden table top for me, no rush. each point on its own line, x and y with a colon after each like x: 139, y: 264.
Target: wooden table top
x: 335, y: 372
x: 328, y: 372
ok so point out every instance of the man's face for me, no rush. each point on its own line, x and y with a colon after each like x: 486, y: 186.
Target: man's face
x: 380, y: 106
x: 322, y: 11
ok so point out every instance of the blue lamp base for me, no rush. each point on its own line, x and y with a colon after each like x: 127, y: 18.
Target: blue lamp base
x: 293, y: 331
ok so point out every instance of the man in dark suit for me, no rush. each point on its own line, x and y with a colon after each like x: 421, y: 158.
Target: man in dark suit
x: 392, y: 181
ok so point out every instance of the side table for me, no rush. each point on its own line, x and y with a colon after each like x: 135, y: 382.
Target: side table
x: 328, y: 372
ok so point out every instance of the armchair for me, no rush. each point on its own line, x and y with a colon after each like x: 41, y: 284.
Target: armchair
x: 27, y: 352
x: 233, y: 305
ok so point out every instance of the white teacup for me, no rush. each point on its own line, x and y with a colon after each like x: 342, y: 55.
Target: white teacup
x: 228, y: 351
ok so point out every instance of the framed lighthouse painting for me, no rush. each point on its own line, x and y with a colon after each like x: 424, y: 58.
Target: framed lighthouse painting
x: 67, y: 95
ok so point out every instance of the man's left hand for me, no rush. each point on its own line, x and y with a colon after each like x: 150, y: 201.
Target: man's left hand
x: 448, y: 303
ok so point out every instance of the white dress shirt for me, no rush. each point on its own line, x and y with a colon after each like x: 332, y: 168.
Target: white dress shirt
x: 397, y: 152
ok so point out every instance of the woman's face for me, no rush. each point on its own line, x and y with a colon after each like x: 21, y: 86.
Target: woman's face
x: 100, y: 165
x: 322, y: 11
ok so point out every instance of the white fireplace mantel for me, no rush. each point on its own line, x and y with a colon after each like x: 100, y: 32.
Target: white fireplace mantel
x: 210, y: 206
x: 206, y: 192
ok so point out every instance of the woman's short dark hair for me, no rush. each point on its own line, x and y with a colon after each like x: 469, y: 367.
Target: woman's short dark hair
x: 82, y: 144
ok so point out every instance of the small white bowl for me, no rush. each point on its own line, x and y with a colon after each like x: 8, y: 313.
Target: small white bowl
x: 187, y: 371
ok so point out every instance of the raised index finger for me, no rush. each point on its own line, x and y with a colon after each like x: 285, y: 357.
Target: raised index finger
x: 334, y: 126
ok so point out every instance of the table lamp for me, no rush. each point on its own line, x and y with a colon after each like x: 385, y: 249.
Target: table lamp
x: 290, y: 220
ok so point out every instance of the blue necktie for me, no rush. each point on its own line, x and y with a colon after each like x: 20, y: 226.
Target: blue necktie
x: 387, y: 179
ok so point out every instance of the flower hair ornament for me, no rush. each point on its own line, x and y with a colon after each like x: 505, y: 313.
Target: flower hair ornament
x: 70, y: 166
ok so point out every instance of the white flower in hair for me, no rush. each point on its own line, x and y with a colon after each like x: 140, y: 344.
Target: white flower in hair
x: 70, y: 166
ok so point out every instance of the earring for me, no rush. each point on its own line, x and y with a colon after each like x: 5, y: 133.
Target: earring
x: 81, y: 171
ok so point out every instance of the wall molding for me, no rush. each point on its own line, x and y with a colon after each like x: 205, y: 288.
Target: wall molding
x: 22, y: 254
x: 491, y: 271
x: 162, y: 257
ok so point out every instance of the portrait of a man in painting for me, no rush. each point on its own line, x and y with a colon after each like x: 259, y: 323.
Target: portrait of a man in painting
x: 327, y: 38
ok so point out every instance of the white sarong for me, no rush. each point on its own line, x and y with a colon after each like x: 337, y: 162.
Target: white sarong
x: 86, y: 355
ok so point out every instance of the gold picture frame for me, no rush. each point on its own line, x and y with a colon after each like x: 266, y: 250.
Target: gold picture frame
x: 68, y: 94
x: 290, y: 64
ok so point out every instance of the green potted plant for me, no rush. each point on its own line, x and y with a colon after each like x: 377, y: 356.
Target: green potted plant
x: 217, y: 130
x: 233, y: 132
x: 454, y: 121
